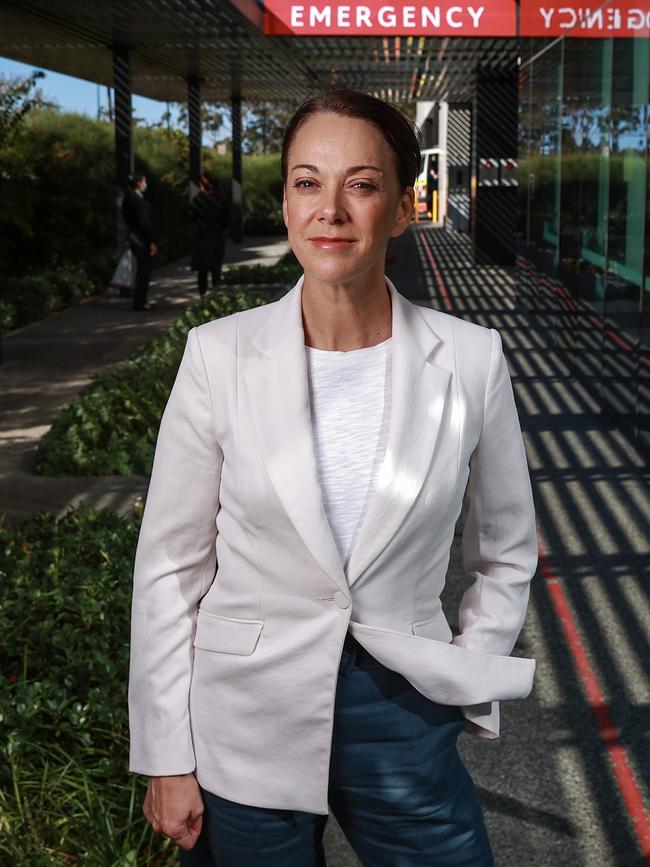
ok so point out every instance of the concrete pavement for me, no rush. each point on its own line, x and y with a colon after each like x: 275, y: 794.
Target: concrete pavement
x: 47, y: 363
x: 568, y: 780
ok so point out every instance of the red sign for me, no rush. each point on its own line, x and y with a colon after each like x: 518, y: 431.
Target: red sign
x: 617, y: 18
x: 399, y: 18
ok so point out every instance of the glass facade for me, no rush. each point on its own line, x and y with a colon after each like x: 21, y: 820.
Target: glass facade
x: 583, y: 261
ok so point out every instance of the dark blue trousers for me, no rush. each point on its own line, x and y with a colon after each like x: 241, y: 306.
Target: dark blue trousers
x: 398, y: 787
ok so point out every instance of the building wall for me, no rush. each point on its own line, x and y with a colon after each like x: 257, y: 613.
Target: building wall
x: 583, y: 238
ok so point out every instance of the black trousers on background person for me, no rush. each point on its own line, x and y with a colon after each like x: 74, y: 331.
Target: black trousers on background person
x: 142, y: 278
x: 208, y: 250
x: 203, y: 279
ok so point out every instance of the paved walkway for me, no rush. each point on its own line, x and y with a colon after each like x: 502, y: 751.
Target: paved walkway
x: 568, y: 781
x: 47, y: 363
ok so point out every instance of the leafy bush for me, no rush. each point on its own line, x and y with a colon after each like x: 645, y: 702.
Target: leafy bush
x: 287, y: 270
x: 34, y: 296
x: 263, y: 274
x: 111, y: 427
x: 59, y: 195
x: 262, y: 190
x: 66, y: 796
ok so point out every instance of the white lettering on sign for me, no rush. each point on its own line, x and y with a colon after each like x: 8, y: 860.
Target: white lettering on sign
x: 363, y: 16
x: 585, y: 18
x: 316, y: 16
x: 476, y: 14
x: 636, y: 20
x: 431, y: 16
x: 408, y: 16
x: 450, y: 12
x: 547, y: 14
x: 388, y: 16
x: 570, y: 16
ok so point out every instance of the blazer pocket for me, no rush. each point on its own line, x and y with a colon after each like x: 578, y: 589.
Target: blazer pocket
x: 226, y: 634
x: 435, y: 627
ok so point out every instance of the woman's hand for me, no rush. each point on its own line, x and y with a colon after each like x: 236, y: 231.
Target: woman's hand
x: 173, y: 806
x: 152, y: 249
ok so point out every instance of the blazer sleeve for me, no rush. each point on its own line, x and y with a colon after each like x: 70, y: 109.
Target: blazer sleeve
x: 174, y: 564
x: 499, y: 541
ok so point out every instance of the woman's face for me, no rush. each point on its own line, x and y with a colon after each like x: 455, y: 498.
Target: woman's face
x: 342, y: 200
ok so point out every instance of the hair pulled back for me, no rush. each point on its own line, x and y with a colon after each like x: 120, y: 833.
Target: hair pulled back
x: 396, y: 128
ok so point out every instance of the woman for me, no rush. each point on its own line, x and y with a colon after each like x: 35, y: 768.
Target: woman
x: 136, y: 211
x: 289, y: 650
x: 209, y: 216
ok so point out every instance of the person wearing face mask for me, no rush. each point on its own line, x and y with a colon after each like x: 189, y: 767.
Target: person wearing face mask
x: 137, y: 213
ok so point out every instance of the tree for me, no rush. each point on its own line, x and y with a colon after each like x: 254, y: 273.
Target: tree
x: 212, y: 114
x: 18, y: 96
x: 264, y: 125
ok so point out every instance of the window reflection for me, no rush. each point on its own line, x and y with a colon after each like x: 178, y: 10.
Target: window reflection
x: 583, y: 238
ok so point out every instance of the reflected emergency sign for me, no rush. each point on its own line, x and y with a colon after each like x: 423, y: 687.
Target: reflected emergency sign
x: 399, y: 18
x: 623, y: 18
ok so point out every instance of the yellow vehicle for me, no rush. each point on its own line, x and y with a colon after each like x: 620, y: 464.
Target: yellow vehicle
x: 428, y: 186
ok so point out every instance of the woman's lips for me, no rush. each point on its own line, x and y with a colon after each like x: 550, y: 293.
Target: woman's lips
x: 331, y: 243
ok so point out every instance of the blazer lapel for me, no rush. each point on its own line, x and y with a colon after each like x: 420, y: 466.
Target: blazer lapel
x: 420, y: 394
x: 280, y: 404
x: 278, y: 385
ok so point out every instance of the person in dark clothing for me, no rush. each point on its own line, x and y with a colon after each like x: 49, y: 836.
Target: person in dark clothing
x: 137, y: 214
x: 209, y: 215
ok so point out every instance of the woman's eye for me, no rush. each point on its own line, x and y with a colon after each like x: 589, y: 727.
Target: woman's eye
x: 363, y: 185
x: 299, y: 185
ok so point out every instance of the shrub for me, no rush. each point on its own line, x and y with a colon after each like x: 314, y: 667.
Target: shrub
x: 262, y: 190
x: 34, y: 296
x: 66, y: 796
x: 111, y: 427
x: 263, y: 274
x: 59, y: 194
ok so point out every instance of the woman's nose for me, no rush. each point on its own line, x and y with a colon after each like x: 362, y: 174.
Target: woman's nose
x: 332, y: 205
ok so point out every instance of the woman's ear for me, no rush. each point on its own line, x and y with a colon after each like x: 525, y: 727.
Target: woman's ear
x: 405, y: 210
x: 284, y: 206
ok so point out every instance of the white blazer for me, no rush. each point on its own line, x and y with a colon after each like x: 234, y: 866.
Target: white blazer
x: 240, y: 601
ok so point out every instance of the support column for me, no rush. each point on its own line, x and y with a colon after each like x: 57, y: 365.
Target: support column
x: 195, y: 133
x: 494, y: 206
x: 459, y: 153
x: 237, y: 214
x: 443, y: 170
x: 123, y: 133
x: 123, y: 114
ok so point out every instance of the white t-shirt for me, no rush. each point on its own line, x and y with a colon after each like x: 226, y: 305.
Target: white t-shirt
x: 350, y: 409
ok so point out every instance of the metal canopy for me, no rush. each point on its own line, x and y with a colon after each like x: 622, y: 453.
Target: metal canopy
x: 221, y: 43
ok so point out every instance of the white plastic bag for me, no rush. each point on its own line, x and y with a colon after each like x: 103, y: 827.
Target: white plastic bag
x: 124, y: 275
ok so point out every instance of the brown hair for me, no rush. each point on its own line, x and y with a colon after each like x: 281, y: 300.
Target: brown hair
x: 396, y: 128
x: 211, y: 182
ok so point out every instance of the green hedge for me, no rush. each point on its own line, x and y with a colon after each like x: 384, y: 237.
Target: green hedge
x: 262, y: 189
x: 286, y: 271
x: 110, y: 428
x: 66, y: 796
x: 57, y: 186
x: 34, y: 296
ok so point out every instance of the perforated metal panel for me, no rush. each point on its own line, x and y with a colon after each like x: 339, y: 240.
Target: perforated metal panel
x: 218, y: 42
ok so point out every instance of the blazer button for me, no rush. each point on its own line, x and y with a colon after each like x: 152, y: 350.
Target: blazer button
x: 341, y: 599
